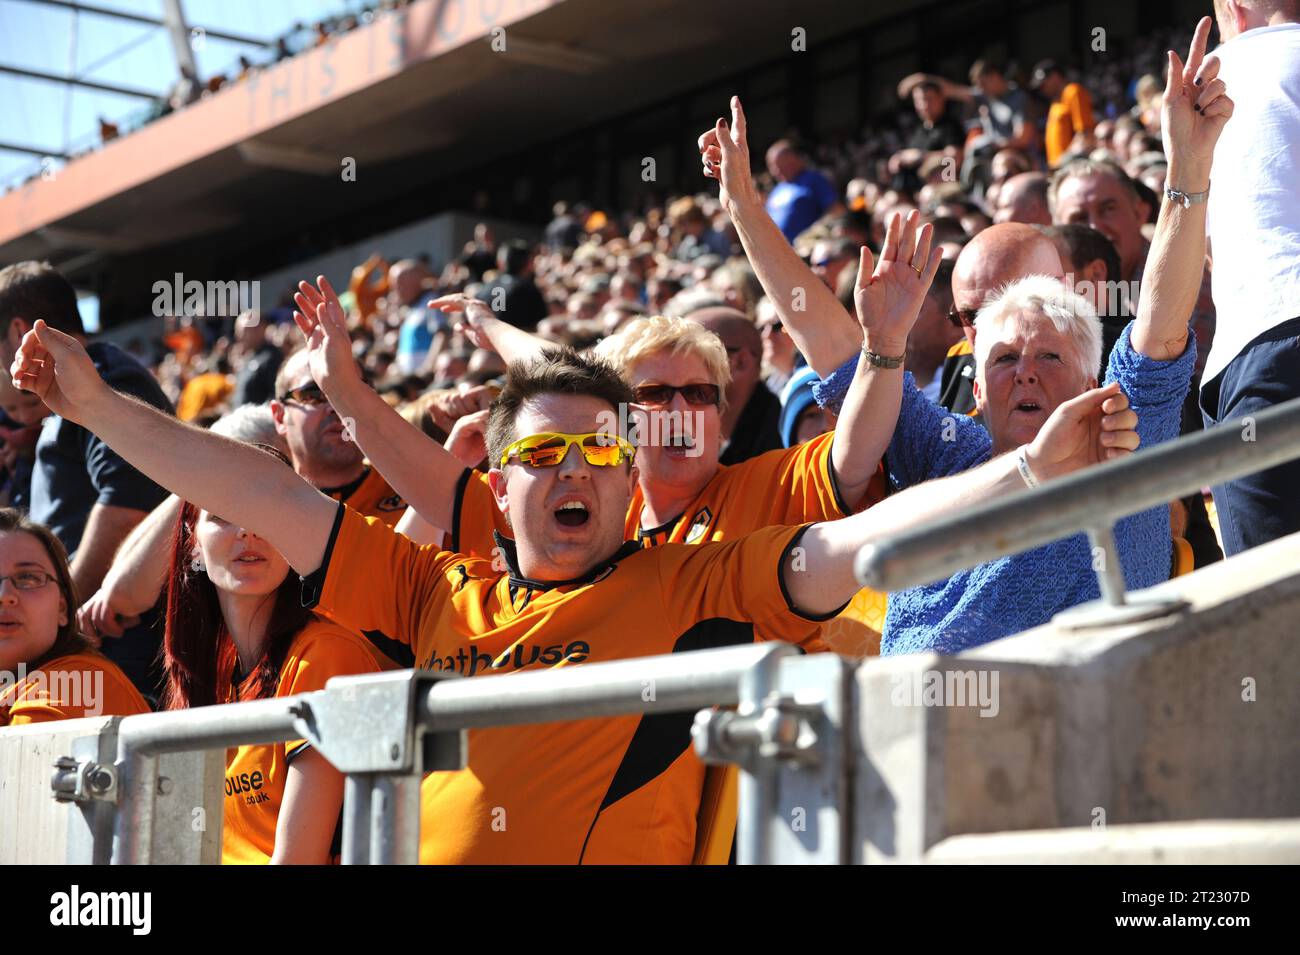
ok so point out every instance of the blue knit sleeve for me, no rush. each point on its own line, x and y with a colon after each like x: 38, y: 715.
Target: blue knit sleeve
x: 831, y: 391
x: 1156, y: 389
x: 930, y: 441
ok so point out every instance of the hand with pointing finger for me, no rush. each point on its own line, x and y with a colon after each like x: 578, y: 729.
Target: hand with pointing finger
x: 55, y: 367
x: 724, y: 151
x: 1195, y: 109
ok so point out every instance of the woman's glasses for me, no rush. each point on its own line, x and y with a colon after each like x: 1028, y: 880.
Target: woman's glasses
x: 28, y: 579
x: 698, y: 395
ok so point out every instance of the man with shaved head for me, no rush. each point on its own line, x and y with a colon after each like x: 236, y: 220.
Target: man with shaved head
x: 1023, y: 198
x: 751, y: 421
x: 995, y: 258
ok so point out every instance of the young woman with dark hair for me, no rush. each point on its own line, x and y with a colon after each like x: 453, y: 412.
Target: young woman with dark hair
x: 48, y: 670
x: 236, y: 630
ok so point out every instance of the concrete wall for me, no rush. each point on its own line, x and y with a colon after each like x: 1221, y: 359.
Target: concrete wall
x: 1195, y: 716
x: 35, y: 829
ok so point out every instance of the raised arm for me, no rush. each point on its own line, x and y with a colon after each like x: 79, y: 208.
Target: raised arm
x: 888, y: 302
x: 487, y: 331
x: 137, y: 576
x: 825, y: 333
x: 1093, y: 427
x: 417, y: 467
x: 1196, y: 107
x: 950, y: 89
x: 240, y: 483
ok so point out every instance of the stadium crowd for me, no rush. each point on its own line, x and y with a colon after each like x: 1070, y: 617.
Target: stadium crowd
x: 759, y: 380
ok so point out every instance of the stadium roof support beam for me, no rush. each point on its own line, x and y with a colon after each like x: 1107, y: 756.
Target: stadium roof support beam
x: 179, y: 34
x: 15, y: 148
x: 140, y: 18
x: 75, y: 81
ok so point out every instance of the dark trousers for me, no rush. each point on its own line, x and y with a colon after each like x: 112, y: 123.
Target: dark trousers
x: 1259, y: 507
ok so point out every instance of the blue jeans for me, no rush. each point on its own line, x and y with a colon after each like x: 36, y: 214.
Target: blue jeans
x: 1259, y: 507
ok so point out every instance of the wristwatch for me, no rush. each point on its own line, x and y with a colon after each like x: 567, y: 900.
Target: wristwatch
x: 1186, y: 198
x: 883, y: 361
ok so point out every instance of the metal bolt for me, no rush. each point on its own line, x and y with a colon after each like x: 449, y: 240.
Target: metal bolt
x: 99, y: 779
x: 164, y: 785
x: 394, y: 752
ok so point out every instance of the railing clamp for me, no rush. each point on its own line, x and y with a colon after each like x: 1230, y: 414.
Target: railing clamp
x: 83, y: 780
x: 779, y: 729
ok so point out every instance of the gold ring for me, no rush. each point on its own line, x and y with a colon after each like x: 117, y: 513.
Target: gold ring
x: 920, y: 273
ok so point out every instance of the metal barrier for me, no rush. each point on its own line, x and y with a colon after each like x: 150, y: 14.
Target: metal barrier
x: 384, y: 731
x: 840, y: 761
x: 1091, y: 500
x: 833, y: 768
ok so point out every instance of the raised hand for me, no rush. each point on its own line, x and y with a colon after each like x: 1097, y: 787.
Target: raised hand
x: 1195, y: 108
x: 55, y: 368
x: 1096, y: 426
x: 448, y: 407
x: 467, y: 441
x: 477, y: 315
x: 329, y: 346
x: 724, y: 151
x: 889, y: 295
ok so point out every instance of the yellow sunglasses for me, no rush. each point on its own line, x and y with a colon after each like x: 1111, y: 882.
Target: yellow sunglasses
x: 549, y: 448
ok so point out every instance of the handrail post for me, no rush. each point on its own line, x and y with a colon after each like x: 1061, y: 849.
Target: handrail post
x: 356, y: 819
x: 757, y: 789
x: 137, y: 775
x: 1106, y: 564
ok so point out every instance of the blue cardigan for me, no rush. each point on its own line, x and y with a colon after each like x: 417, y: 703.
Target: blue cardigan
x: 1025, y: 590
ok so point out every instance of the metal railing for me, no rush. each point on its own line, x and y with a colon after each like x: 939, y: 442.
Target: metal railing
x: 384, y: 731
x: 1090, y: 500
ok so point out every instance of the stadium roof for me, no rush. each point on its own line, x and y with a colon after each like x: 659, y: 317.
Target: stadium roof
x: 422, y: 87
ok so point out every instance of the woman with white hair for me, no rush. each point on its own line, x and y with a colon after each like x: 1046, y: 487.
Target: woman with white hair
x: 1037, y: 345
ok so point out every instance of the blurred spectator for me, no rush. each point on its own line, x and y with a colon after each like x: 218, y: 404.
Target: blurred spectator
x: 255, y: 383
x: 1023, y: 198
x: 513, y: 295
x: 801, y: 195
x: 937, y: 136
x: 751, y: 421
x: 1101, y: 195
x: 1069, y: 117
x: 780, y: 357
x: 802, y: 419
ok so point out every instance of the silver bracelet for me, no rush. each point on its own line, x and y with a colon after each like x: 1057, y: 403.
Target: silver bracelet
x: 1022, y: 465
x: 882, y: 361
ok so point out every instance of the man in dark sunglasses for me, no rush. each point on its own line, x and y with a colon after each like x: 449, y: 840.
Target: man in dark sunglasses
x: 321, y: 447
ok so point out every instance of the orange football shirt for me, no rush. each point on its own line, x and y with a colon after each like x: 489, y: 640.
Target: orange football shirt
x: 256, y: 774
x: 372, y: 496
x: 69, y: 688
x: 620, y: 790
